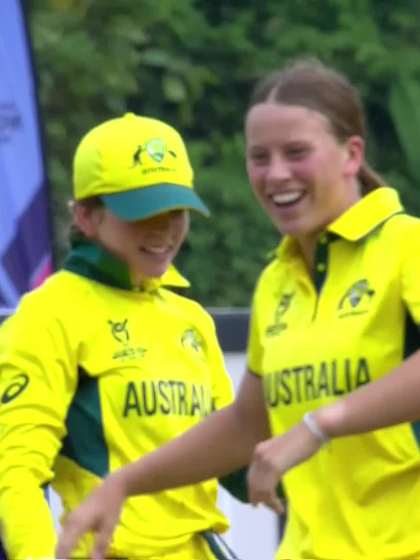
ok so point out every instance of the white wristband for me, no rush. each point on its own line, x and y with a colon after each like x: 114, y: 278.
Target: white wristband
x: 311, y: 423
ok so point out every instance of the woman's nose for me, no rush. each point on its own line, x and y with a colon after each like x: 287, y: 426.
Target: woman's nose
x: 161, y: 222
x: 278, y: 169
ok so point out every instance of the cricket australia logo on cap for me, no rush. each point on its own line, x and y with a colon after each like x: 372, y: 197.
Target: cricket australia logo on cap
x: 282, y: 307
x: 154, y: 149
x: 356, y: 300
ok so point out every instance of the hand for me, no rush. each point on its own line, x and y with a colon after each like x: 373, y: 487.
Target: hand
x: 273, y: 458
x: 99, y: 513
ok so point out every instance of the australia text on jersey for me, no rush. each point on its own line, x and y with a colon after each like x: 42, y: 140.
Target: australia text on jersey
x: 308, y: 382
x: 167, y: 397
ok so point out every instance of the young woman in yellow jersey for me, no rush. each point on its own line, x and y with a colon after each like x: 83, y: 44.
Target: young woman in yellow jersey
x: 336, y: 309
x: 104, y: 362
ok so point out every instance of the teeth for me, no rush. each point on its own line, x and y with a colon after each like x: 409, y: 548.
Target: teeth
x: 285, y: 198
x: 156, y: 250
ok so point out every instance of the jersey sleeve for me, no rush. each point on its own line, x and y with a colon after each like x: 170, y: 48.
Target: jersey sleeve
x: 222, y: 388
x: 410, y: 274
x: 37, y: 381
x: 254, y: 347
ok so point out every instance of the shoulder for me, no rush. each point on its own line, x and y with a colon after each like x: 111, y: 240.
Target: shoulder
x: 193, y: 311
x: 57, y: 306
x: 402, y: 223
x: 403, y: 232
x: 62, y: 290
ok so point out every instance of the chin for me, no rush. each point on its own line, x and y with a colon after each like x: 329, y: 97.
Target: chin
x: 157, y: 272
x: 152, y: 270
x: 290, y: 229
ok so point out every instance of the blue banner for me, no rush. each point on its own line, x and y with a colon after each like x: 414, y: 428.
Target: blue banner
x: 25, y: 244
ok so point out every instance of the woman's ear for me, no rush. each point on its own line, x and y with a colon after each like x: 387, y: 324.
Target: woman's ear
x: 355, y: 155
x: 87, y: 218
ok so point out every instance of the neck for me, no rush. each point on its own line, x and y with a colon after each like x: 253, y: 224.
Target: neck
x: 307, y: 243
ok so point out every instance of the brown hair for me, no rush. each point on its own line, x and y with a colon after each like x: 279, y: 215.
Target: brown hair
x: 90, y: 202
x: 309, y: 83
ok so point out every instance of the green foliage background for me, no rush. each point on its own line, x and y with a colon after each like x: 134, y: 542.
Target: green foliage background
x: 193, y: 63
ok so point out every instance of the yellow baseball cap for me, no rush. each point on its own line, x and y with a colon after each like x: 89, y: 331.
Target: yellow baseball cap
x: 138, y: 166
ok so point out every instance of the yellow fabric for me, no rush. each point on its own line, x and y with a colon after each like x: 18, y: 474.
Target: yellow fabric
x: 315, y: 340
x: 130, y: 153
x: 149, y: 368
x: 171, y: 278
x: 195, y: 549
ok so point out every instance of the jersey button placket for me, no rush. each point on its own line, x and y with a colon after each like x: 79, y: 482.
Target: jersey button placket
x: 321, y: 259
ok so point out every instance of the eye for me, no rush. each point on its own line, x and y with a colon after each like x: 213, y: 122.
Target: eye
x: 178, y: 214
x: 258, y: 157
x: 297, y: 152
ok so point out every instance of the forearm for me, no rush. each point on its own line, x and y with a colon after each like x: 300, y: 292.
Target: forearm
x: 393, y: 399
x: 215, y: 447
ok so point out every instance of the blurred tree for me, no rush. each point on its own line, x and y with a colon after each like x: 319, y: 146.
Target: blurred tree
x: 193, y: 63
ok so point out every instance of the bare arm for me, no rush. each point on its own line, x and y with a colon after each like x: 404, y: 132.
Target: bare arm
x: 393, y: 399
x: 220, y: 444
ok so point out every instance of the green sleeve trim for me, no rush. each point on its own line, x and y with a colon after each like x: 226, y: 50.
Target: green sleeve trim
x: 85, y: 442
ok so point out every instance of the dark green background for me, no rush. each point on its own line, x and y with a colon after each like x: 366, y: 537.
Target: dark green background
x: 193, y: 63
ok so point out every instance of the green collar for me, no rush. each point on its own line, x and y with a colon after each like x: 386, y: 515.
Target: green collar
x: 92, y: 261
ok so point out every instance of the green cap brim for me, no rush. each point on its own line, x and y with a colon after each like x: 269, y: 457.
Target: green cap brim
x: 145, y: 202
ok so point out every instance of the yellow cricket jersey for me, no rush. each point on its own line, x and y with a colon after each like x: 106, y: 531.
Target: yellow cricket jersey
x: 315, y: 340
x: 94, y: 375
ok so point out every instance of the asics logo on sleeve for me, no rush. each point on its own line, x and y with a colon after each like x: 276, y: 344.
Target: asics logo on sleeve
x: 15, y: 388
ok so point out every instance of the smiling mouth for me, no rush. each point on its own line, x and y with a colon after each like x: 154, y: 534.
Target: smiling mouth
x: 287, y: 198
x: 158, y: 251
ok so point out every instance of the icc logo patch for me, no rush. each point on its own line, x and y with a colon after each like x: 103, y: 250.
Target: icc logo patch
x: 279, y: 324
x: 119, y: 331
x: 126, y: 351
